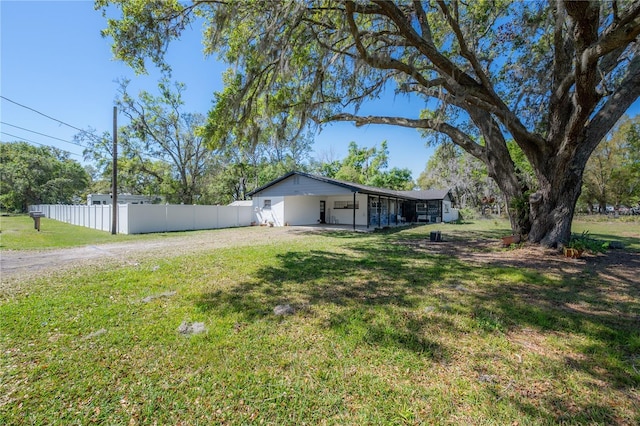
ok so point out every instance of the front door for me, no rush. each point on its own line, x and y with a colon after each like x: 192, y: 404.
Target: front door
x: 322, y: 208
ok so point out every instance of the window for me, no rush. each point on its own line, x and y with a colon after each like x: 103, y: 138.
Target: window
x: 337, y: 205
x: 267, y: 205
x: 296, y: 180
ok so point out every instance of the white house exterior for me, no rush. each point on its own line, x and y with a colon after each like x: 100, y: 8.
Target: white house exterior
x: 302, y: 199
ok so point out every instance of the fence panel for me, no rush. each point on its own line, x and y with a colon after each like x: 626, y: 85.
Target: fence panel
x: 147, y: 218
x: 206, y: 217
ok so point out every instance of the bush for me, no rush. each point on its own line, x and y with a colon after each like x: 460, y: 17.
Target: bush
x: 583, y: 242
x: 467, y: 213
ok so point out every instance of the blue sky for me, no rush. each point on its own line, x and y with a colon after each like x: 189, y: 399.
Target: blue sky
x: 54, y: 60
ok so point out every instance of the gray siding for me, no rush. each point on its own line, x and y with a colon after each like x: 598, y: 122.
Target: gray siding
x: 301, y: 185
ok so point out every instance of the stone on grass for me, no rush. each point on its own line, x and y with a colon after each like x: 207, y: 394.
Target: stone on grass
x: 283, y: 310
x: 189, y: 328
x: 487, y: 378
x: 616, y: 245
x: 157, y: 296
x: 95, y: 334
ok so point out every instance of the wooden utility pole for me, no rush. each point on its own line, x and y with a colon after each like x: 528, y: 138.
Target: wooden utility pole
x: 114, y: 177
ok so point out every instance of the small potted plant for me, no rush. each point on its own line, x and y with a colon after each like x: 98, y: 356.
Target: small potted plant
x: 510, y: 239
x: 572, y: 252
x: 575, y: 247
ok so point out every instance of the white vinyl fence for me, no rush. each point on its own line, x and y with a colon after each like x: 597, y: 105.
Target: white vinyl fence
x: 147, y: 218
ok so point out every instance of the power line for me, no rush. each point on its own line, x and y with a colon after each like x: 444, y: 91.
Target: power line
x: 61, y: 122
x: 42, y: 134
x: 49, y: 117
x: 41, y: 144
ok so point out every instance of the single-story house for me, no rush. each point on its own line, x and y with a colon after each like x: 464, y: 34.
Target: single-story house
x: 303, y: 199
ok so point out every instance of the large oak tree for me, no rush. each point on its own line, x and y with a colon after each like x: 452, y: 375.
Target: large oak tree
x: 555, y: 76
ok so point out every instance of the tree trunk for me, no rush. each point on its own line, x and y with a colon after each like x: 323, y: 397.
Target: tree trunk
x: 501, y: 169
x: 553, y: 206
x: 515, y: 201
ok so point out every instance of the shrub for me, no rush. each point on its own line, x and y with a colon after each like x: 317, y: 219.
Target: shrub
x: 583, y: 242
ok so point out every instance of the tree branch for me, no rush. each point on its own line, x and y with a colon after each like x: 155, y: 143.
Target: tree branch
x: 422, y: 20
x: 617, y: 35
x: 465, y: 51
x: 563, y: 76
x: 457, y: 136
x: 378, y: 61
x: 459, y: 82
x: 627, y: 93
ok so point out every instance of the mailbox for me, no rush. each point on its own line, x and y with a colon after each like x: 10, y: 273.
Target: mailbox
x: 36, y: 219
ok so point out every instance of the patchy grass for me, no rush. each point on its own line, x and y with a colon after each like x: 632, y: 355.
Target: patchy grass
x: 385, y: 332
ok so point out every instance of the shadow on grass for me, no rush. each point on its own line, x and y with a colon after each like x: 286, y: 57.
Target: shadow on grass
x: 357, y: 287
x: 381, y: 292
x: 630, y: 243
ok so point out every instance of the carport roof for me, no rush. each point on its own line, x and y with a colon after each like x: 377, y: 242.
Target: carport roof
x: 363, y: 189
x: 429, y: 194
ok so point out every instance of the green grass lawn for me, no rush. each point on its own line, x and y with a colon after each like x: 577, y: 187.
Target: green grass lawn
x: 384, y: 333
x: 18, y: 233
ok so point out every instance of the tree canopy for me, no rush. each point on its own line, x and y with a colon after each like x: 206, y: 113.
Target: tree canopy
x: 368, y: 166
x: 553, y: 76
x: 162, y: 152
x: 38, y: 175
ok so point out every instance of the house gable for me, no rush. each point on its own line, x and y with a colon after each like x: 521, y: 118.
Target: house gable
x: 299, y: 184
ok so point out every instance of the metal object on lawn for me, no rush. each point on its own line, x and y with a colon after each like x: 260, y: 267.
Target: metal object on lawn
x: 36, y: 219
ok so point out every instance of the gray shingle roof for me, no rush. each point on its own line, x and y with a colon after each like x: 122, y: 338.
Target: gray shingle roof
x: 438, y: 194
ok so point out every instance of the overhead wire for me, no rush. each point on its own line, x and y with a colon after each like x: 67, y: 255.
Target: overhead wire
x: 38, y: 143
x: 51, y: 118
x: 42, y: 134
x: 61, y: 122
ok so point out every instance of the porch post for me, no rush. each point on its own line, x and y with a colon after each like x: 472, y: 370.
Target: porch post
x: 388, y: 211
x: 396, y: 212
x: 354, y: 211
x: 379, y: 211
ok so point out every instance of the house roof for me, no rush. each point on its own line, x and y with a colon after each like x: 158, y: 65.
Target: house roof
x: 241, y: 203
x: 363, y: 189
x: 428, y: 194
